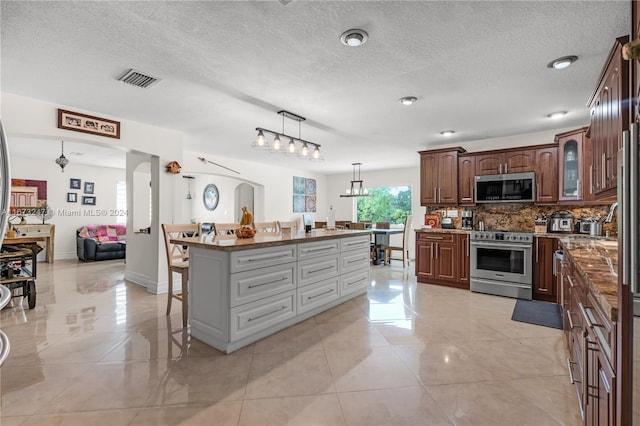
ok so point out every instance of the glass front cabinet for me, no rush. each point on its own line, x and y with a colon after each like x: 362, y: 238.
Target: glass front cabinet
x: 571, y: 165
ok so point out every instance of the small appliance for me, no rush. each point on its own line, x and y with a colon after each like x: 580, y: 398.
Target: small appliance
x: 505, y: 188
x: 467, y: 219
x: 561, y: 221
x: 590, y: 225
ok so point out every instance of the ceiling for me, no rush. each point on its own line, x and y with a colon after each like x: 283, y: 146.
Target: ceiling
x: 227, y: 67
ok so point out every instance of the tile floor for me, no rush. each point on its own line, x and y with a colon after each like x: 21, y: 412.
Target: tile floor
x: 97, y: 350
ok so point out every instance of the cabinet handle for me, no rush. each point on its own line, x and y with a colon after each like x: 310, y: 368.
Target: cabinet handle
x: 428, y: 237
x: 585, y: 372
x: 604, y: 169
x: 267, y: 257
x: 357, y: 260
x: 537, y: 254
x: 571, y: 376
x: 570, y: 319
x: 587, y: 318
x: 439, y: 195
x: 321, y: 294
x: 327, y: 247
x: 571, y: 284
x: 579, y: 189
x: 268, y: 282
x: 435, y: 195
x: 283, y: 307
x: 500, y: 168
x: 468, y: 247
x: 591, y: 179
x: 320, y: 270
x: 436, y: 250
x: 537, y: 191
x: 506, y: 168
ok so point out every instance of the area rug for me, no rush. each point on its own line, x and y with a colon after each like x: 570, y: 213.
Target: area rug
x: 539, y: 313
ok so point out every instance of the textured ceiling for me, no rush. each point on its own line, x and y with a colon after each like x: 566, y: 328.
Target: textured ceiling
x: 476, y: 67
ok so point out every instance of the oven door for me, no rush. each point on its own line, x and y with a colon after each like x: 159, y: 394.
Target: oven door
x: 502, y: 261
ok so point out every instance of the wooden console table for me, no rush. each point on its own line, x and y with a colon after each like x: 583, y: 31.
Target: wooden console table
x: 35, y: 230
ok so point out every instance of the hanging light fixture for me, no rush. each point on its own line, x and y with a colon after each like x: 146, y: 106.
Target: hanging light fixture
x: 356, y: 189
x: 291, y: 150
x: 62, y: 161
x: 189, y: 197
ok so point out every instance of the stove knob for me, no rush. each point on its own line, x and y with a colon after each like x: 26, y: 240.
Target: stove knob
x: 521, y: 238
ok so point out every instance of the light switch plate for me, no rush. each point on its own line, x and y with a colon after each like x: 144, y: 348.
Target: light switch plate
x: 452, y: 213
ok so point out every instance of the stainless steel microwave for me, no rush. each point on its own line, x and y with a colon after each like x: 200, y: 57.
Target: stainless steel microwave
x: 506, y: 188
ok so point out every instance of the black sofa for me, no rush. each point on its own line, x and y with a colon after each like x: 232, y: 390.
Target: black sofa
x: 90, y: 250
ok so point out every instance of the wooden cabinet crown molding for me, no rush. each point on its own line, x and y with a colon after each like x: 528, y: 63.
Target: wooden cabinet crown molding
x: 615, y: 50
x: 436, y: 151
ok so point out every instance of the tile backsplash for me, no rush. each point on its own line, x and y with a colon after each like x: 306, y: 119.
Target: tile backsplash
x: 520, y: 216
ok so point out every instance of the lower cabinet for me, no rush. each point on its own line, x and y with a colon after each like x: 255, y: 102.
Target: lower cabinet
x: 545, y: 285
x: 439, y: 259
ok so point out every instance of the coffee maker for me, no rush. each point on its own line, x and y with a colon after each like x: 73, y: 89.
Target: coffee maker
x: 467, y: 219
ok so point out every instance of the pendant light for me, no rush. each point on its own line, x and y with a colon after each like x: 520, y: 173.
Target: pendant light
x: 62, y: 161
x: 290, y: 148
x: 189, y: 197
x: 356, y: 189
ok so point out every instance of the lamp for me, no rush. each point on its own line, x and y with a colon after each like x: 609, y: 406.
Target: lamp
x: 189, y: 197
x: 356, y: 189
x: 62, y: 161
x: 291, y: 148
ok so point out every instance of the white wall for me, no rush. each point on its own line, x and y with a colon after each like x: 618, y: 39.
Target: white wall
x: 70, y: 216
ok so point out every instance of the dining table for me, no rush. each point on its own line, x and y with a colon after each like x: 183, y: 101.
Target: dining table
x: 381, y: 239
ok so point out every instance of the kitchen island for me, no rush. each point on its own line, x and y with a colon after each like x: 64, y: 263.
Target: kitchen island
x: 242, y: 290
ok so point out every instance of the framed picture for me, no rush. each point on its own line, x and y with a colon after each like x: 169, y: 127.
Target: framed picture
x: 88, y: 124
x: 74, y: 183
x: 88, y: 187
x: 89, y: 201
x: 72, y: 197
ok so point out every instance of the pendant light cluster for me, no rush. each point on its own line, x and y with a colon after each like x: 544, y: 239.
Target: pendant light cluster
x: 62, y: 161
x: 285, y: 144
x: 356, y: 189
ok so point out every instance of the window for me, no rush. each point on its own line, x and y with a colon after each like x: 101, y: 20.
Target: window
x: 121, y: 202
x: 385, y: 204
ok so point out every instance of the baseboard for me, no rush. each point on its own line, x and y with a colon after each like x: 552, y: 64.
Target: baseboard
x: 65, y: 255
x: 144, y: 281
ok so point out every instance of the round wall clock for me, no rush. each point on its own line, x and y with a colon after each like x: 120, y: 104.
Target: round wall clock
x: 211, y: 196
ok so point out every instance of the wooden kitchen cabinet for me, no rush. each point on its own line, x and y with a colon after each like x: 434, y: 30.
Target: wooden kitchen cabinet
x: 509, y: 161
x: 546, y: 175
x: 571, y: 165
x: 437, y: 258
x: 610, y: 117
x: 466, y: 180
x: 439, y: 177
x: 545, y: 286
x: 464, y: 260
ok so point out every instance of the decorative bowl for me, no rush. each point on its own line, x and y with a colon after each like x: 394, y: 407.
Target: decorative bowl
x: 246, y: 232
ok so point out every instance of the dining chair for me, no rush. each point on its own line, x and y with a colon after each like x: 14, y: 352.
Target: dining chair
x: 389, y: 249
x: 320, y: 225
x: 383, y: 225
x: 266, y: 226
x: 342, y: 224
x: 225, y: 228
x: 358, y: 225
x: 178, y: 261
x: 292, y: 224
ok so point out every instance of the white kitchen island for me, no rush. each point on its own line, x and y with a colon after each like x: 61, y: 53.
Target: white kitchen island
x: 242, y: 290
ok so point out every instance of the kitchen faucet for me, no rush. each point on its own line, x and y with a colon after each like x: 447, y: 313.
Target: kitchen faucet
x: 609, y: 217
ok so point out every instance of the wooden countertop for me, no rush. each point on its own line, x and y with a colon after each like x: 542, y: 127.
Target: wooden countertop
x: 269, y: 239
x: 596, y: 261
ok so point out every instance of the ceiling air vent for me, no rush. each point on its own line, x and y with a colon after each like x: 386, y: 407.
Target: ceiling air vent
x: 139, y: 79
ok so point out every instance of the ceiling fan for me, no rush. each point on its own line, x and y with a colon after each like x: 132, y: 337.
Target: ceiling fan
x: 204, y: 160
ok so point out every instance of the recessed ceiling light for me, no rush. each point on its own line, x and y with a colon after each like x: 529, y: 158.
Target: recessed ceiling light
x: 354, y: 38
x: 557, y: 114
x: 408, y: 100
x: 562, y: 63
x: 447, y: 132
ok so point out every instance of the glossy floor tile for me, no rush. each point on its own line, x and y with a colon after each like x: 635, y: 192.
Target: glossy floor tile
x: 99, y: 350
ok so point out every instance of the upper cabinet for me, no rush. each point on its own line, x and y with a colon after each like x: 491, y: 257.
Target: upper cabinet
x: 571, y: 165
x: 546, y: 174
x: 499, y: 162
x: 609, y: 107
x: 466, y: 179
x: 439, y: 177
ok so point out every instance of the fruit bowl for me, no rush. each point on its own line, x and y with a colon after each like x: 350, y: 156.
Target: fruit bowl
x: 246, y: 232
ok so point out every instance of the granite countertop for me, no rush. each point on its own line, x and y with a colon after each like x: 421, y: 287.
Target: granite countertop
x: 264, y: 239
x: 596, y: 261
x: 447, y: 231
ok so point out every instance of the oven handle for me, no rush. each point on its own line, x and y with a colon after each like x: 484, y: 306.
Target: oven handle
x: 501, y: 245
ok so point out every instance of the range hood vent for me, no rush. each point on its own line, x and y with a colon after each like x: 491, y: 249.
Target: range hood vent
x: 138, y: 79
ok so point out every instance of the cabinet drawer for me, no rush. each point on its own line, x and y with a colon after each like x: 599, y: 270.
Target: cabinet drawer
x: 440, y: 237
x: 317, y: 269
x: 320, y: 248
x: 603, y: 330
x: 260, y: 315
x: 354, y: 281
x: 260, y: 283
x: 354, y: 261
x: 246, y: 260
x: 318, y: 294
x: 362, y: 242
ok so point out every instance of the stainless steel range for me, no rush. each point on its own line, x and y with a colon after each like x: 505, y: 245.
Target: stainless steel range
x: 501, y: 263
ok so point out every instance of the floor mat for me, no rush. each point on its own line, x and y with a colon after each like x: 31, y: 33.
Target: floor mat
x: 539, y: 313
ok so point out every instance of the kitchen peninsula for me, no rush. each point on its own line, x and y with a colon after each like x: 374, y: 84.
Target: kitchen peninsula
x: 242, y: 290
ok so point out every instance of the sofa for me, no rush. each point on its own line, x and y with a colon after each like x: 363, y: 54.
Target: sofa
x: 101, y: 242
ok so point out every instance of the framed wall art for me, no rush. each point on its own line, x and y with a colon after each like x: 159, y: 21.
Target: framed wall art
x: 88, y: 187
x: 89, y: 201
x: 77, y: 122
x: 72, y: 197
x: 74, y: 183
x: 304, y: 194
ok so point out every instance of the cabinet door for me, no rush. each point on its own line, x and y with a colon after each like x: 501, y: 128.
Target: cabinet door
x: 489, y: 164
x: 464, y: 263
x: 466, y: 181
x: 424, y: 259
x: 428, y: 178
x: 447, y: 174
x: 544, y: 284
x: 446, y: 262
x: 547, y: 175
x: 570, y: 167
x: 519, y: 161
x: 587, y: 171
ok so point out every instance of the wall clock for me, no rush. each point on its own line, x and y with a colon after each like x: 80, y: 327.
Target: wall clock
x: 211, y: 196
